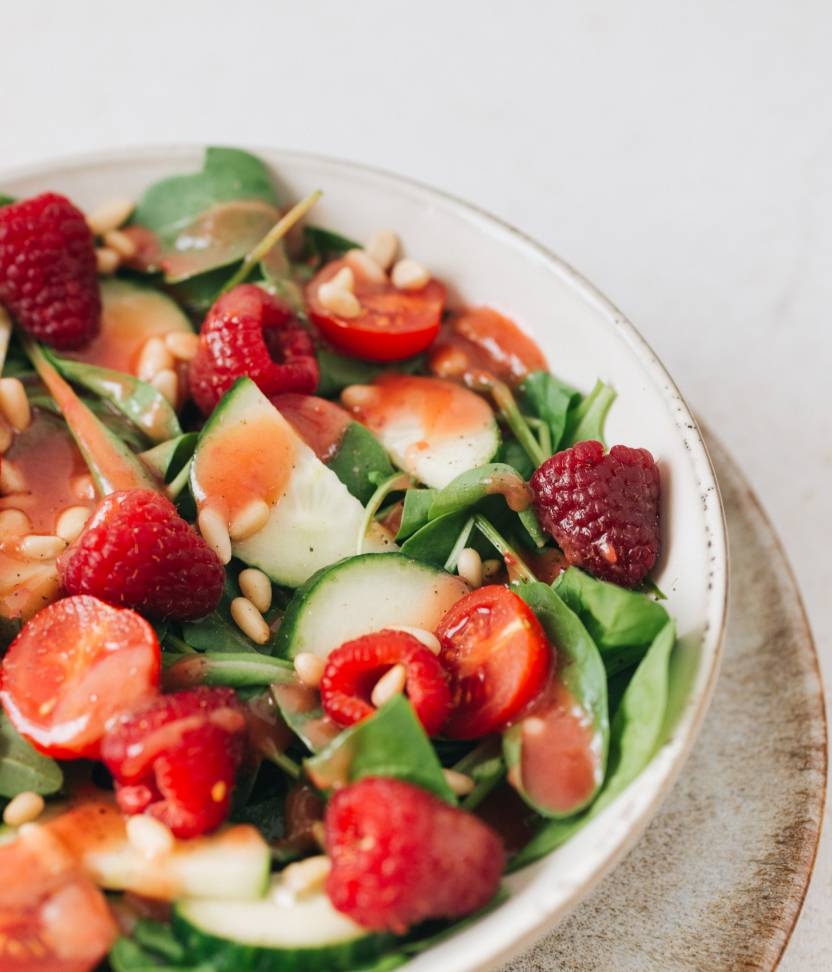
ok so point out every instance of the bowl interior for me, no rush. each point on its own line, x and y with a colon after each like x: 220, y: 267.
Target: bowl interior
x: 585, y: 337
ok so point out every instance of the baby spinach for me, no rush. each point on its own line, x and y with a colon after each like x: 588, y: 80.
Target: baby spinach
x: 586, y: 419
x: 389, y: 743
x: 514, y: 455
x: 169, y: 458
x: 417, y: 504
x: 359, y: 459
x: 622, y: 623
x: 580, y: 670
x: 5, y: 200
x: 549, y: 400
x: 337, y: 371
x: 22, y: 767
x: 434, y: 542
x: 322, y: 245
x: 634, y: 738
x: 218, y: 632
x: 139, y: 401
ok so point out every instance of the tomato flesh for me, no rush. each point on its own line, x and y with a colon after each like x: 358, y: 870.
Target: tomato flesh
x: 393, y: 324
x: 497, y: 658
x: 73, y: 668
x: 52, y: 917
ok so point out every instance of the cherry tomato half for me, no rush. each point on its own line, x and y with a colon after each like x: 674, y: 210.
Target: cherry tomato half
x: 73, y: 668
x: 496, y: 656
x: 393, y: 324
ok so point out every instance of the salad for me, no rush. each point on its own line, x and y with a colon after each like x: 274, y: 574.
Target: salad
x: 323, y: 604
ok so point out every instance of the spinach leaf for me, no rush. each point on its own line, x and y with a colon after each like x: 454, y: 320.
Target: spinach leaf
x: 129, y: 956
x: 580, y: 671
x: 139, y: 401
x: 586, y: 419
x: 391, y: 742
x: 9, y: 630
x: 417, y: 504
x: 169, y: 458
x: 247, y: 669
x: 359, y: 457
x: 337, y: 371
x: 198, y: 294
x: 548, y: 399
x: 622, y: 623
x: 635, y: 736
x: 434, y: 542
x: 5, y: 200
x: 228, y: 174
x: 322, y: 245
x: 514, y: 455
x: 300, y: 708
x: 22, y: 767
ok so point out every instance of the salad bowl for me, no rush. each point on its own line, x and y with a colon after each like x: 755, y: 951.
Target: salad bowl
x: 584, y: 336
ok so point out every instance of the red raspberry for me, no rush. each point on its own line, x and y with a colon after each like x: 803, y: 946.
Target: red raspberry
x: 602, y: 510
x: 137, y: 551
x: 48, y: 277
x: 353, y: 669
x: 177, y: 758
x: 248, y: 332
x: 400, y: 855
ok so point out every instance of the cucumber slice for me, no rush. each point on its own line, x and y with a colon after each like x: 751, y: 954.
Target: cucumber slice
x: 433, y: 429
x: 293, y: 934
x: 248, y: 451
x: 365, y: 594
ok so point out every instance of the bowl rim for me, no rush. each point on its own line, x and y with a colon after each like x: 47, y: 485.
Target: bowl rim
x: 487, y: 949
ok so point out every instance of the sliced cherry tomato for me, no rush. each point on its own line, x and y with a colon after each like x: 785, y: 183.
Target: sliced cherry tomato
x: 320, y: 423
x: 52, y: 917
x: 497, y: 657
x: 393, y: 324
x: 353, y: 670
x: 73, y: 668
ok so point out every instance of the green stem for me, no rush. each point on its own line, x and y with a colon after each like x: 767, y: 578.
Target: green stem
x: 482, y: 789
x: 177, y: 643
x: 459, y: 546
x: 544, y: 433
x: 235, y: 669
x: 275, y: 234
x: 516, y: 566
x: 507, y: 406
x: 392, y: 484
x: 289, y: 766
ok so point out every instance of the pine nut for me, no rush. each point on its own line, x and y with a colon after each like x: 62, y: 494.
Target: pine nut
x: 37, y: 546
x: 71, y: 522
x: 214, y: 532
x: 149, y: 836
x: 183, y: 345
x: 383, y: 247
x: 121, y: 243
x: 428, y: 638
x: 14, y: 403
x: 461, y: 784
x: 343, y: 280
x: 14, y: 523
x: 491, y: 567
x: 249, y: 620
x: 339, y: 301
x: 82, y: 486
x: 110, y: 216
x: 534, y: 726
x: 409, y: 275
x: 360, y: 396
x: 23, y: 809
x: 106, y: 260
x: 166, y: 382
x: 250, y: 520
x: 309, y: 668
x: 307, y: 876
x: 257, y: 587
x: 6, y: 435
x: 154, y: 358
x: 390, y: 684
x: 11, y: 479
x: 469, y: 566
x: 363, y: 264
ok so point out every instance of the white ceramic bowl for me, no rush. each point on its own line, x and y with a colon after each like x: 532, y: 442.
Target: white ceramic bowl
x: 584, y: 336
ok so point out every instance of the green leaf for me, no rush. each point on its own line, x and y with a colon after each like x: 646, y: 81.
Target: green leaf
x: 9, y: 630
x: 169, y: 458
x: 247, y: 669
x: 434, y: 542
x: 322, y: 245
x: 514, y: 455
x: 389, y: 743
x: 22, y: 767
x: 580, y: 671
x: 337, y: 371
x: 548, y: 399
x: 622, y: 623
x: 359, y: 456
x: 586, y: 419
x: 634, y: 739
x: 494, y: 478
x: 139, y: 401
x: 218, y: 632
x: 300, y: 708
x: 417, y: 504
x: 5, y: 200
x: 198, y: 294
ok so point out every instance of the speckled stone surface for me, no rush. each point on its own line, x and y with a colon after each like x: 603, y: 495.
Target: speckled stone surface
x: 718, y: 879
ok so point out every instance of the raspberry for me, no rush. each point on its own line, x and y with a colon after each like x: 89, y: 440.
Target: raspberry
x: 248, y: 332
x: 138, y: 552
x: 48, y: 278
x: 353, y: 669
x: 602, y: 510
x: 400, y: 855
x: 177, y: 758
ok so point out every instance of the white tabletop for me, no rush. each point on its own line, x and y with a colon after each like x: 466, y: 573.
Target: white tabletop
x: 679, y: 154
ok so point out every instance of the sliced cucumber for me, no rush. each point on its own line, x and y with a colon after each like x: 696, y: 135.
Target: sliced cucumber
x: 365, y: 594
x: 292, y: 934
x: 433, y: 429
x: 248, y: 451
